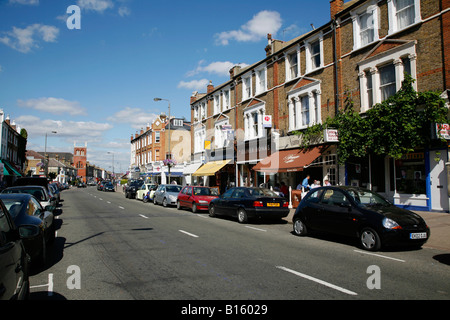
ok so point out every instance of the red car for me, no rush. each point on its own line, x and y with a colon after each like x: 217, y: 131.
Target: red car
x: 196, y: 197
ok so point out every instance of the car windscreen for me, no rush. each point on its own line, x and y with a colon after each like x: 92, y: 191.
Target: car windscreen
x: 199, y: 191
x: 261, y: 192
x: 173, y: 188
x: 366, y: 198
x: 14, y: 206
x: 38, y: 193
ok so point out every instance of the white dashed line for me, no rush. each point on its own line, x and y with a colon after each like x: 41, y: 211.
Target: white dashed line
x: 327, y: 284
x: 189, y: 234
x: 258, y: 229
x: 379, y: 255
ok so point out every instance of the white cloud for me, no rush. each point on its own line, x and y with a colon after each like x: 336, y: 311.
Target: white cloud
x: 194, y: 84
x: 124, y: 11
x: 23, y: 40
x: 53, y: 106
x: 221, y: 68
x: 135, y: 117
x: 256, y: 29
x: 26, y: 2
x: 95, y: 5
x: 72, y: 130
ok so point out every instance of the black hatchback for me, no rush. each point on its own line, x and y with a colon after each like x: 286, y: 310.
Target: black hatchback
x: 361, y: 213
x: 246, y: 203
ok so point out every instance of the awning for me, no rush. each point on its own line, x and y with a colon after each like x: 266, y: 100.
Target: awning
x: 210, y: 168
x: 9, y: 170
x: 191, y: 168
x: 289, y: 160
x: 174, y: 173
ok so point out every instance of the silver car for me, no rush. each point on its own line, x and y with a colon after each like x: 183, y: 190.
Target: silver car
x: 167, y: 194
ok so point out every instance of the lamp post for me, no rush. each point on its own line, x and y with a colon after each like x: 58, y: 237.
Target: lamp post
x: 45, y: 156
x: 113, y: 175
x: 170, y: 152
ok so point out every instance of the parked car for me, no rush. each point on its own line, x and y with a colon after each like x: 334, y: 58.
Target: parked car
x: 357, y: 212
x: 47, y: 201
x: 108, y: 186
x: 144, y: 189
x: 14, y: 270
x: 131, y: 189
x: 248, y: 202
x: 26, y: 210
x: 56, y: 192
x: 81, y: 185
x: 100, y: 185
x: 35, y: 181
x: 166, y: 194
x: 196, y: 197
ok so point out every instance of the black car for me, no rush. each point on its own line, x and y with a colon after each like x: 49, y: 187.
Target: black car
x: 247, y: 203
x: 26, y: 210
x: 132, y: 188
x: 108, y: 186
x: 14, y: 274
x: 361, y: 213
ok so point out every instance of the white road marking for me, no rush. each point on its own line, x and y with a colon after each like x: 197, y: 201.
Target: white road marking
x: 189, y: 234
x: 256, y: 228
x: 122, y: 208
x: 49, y: 285
x: 143, y: 216
x: 379, y: 255
x: 327, y: 284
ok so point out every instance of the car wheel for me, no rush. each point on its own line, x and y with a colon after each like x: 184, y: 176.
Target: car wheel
x: 154, y: 201
x: 178, y: 205
x: 164, y: 203
x: 194, y: 207
x: 145, y: 199
x: 369, y: 239
x: 299, y: 228
x: 212, y: 211
x: 242, y: 216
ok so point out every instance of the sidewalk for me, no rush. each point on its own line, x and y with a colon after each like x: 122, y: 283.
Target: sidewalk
x: 438, y: 222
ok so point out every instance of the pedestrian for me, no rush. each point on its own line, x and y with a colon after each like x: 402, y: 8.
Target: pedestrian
x: 305, y: 184
x: 284, y: 189
x: 326, y: 182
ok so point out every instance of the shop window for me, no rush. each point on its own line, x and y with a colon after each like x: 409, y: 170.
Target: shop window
x: 410, y: 174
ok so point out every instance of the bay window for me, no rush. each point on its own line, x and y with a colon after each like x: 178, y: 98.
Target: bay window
x: 304, y: 106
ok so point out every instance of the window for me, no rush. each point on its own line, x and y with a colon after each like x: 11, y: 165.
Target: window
x: 314, y: 54
x: 199, y: 139
x: 220, y: 134
x: 292, y: 65
x: 365, y: 25
x: 261, y: 79
x: 253, y: 119
x: 216, y: 104
x: 157, y: 136
x: 387, y: 81
x: 226, y: 99
x: 403, y: 13
x: 304, y: 106
x: 246, y: 87
x: 381, y: 76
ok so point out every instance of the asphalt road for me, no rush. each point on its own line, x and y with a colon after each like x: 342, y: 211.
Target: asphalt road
x: 112, y: 248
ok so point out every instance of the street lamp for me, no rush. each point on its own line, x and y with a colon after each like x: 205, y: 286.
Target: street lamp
x: 45, y: 156
x: 112, y: 164
x: 170, y: 152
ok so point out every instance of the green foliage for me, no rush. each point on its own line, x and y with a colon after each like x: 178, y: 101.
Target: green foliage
x: 394, y: 127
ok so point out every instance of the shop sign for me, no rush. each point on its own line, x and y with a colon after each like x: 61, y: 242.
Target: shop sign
x: 331, y: 135
x: 267, y: 121
x: 443, y: 130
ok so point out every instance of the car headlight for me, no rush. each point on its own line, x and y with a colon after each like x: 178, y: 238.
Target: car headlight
x: 390, y: 224
x: 202, y: 201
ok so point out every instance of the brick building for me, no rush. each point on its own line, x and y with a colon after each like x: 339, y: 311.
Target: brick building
x: 362, y: 53
x: 80, y: 161
x: 150, y: 147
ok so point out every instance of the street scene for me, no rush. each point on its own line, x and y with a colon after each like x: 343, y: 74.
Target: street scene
x: 226, y: 159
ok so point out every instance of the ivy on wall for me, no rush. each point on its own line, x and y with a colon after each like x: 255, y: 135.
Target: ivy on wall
x: 394, y: 127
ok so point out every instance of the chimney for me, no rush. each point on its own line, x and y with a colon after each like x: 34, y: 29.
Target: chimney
x: 194, y: 97
x: 210, y: 87
x: 233, y: 71
x: 336, y: 6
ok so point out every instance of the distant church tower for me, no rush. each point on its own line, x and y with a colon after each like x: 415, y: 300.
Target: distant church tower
x: 80, y: 160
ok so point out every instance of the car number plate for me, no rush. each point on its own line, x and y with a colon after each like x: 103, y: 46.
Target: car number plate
x: 273, y: 204
x: 418, y: 235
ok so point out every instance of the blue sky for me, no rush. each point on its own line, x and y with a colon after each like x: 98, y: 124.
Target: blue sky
x: 96, y: 84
